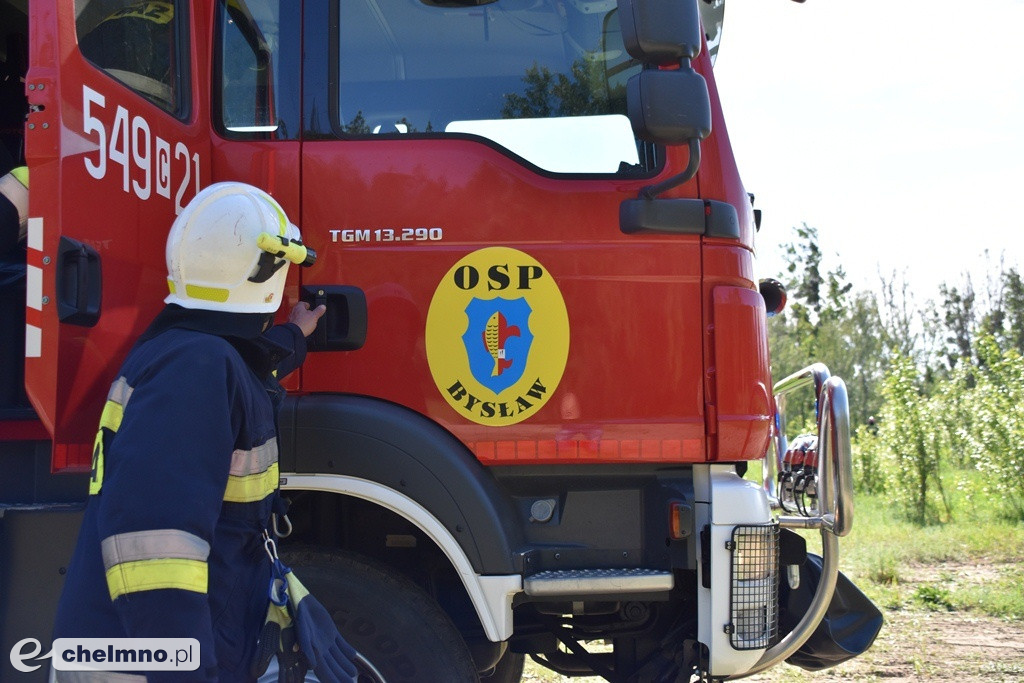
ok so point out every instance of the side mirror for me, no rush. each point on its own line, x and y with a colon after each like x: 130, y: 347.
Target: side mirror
x: 669, y: 107
x: 666, y: 106
x: 660, y: 31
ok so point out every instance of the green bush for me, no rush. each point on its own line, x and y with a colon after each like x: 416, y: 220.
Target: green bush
x: 961, y: 445
x: 868, y: 475
x: 911, y: 450
x: 997, y: 426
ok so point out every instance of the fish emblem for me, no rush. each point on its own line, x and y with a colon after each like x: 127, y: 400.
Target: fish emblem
x: 496, y: 333
x: 498, y: 341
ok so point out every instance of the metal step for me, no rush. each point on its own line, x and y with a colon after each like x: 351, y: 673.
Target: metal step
x: 573, y: 582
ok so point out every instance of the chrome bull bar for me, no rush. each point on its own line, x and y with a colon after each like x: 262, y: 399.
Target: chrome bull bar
x: 834, y: 511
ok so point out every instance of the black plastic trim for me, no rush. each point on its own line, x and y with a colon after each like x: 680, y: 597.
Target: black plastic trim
x: 613, y: 515
x: 79, y: 283
x: 705, y: 556
x: 183, y: 41
x: 343, y: 326
x: 27, y: 479
x: 385, y: 443
x: 707, y: 217
x: 722, y: 220
x: 36, y: 543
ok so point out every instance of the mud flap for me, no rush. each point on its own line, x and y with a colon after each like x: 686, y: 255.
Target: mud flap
x: 849, y: 627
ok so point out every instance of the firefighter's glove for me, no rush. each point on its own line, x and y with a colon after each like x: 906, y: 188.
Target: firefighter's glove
x: 268, y: 644
x: 329, y: 655
x: 277, y: 638
x: 292, y: 665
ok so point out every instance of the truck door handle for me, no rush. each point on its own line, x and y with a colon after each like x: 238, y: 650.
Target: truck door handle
x: 343, y: 326
x: 79, y: 283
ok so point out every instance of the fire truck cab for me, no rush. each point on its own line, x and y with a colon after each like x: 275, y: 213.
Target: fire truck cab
x: 523, y: 423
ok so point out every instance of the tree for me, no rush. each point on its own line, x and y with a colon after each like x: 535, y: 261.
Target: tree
x: 960, y: 320
x: 583, y: 92
x: 1014, y: 334
x: 803, y: 265
x: 900, y: 335
x: 865, y: 356
x: 827, y: 321
x: 357, y: 126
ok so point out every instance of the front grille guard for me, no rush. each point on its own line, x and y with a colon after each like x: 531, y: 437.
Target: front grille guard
x: 835, y: 474
x: 833, y: 514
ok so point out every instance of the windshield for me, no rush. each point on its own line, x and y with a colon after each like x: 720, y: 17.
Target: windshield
x: 543, y: 79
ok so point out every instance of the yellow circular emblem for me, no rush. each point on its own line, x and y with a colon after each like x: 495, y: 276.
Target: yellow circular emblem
x: 497, y: 336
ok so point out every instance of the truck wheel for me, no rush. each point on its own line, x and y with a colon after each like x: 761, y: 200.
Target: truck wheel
x: 400, y: 630
x: 509, y: 669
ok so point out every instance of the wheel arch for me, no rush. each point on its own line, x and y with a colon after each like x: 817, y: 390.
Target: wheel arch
x: 388, y: 455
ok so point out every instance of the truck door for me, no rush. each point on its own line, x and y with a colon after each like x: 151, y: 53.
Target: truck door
x: 117, y: 143
x: 464, y: 165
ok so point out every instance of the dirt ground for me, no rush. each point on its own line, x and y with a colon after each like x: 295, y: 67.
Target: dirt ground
x: 923, y: 645
x: 920, y: 644
x: 916, y: 644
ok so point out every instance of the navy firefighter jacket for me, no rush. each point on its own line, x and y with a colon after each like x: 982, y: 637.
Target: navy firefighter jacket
x: 184, y: 478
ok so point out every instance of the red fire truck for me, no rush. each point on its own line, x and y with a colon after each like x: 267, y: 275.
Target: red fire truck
x: 523, y: 423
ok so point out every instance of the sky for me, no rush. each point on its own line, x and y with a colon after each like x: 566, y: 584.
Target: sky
x: 895, y: 128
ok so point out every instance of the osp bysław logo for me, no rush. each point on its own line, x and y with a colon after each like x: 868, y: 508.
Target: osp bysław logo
x: 497, y: 336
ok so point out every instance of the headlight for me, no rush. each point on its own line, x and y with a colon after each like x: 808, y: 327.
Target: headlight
x: 754, y: 595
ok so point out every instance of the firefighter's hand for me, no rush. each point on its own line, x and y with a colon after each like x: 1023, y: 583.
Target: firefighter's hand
x: 306, y: 319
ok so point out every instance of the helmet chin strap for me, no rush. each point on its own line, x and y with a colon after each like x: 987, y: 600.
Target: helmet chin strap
x: 266, y: 267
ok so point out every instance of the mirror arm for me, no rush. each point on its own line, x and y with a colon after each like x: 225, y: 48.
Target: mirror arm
x: 652, y: 191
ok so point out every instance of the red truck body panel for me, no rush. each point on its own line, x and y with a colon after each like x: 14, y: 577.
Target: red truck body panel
x: 660, y: 354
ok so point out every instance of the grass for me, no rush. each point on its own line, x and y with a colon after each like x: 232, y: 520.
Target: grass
x: 884, y: 551
x: 933, y: 597
x: 1000, y: 598
x: 879, y: 532
x: 971, y: 565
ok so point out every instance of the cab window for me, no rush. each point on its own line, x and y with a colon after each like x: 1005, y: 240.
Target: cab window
x: 141, y: 44
x: 545, y: 81
x: 256, y: 82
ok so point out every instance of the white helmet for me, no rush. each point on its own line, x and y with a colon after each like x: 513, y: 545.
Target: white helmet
x: 229, y: 250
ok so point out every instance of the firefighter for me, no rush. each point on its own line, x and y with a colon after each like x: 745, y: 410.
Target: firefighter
x: 185, y: 473
x: 13, y: 214
x: 13, y: 222
x: 13, y: 206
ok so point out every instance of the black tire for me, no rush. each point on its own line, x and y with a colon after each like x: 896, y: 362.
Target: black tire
x: 509, y: 669
x: 391, y: 621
